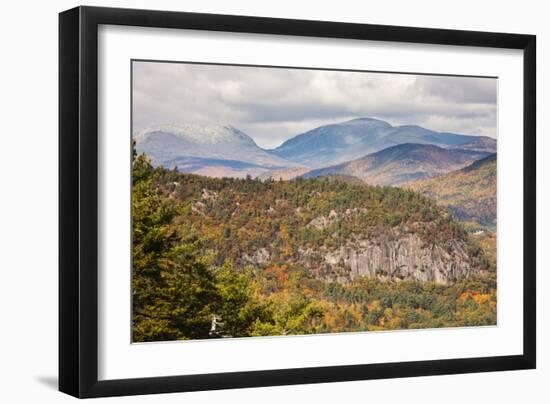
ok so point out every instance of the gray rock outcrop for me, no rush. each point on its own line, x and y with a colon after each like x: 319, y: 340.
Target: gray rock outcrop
x: 403, y: 256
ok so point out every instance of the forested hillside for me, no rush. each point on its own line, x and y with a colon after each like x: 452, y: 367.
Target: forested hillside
x: 469, y: 193
x: 294, y: 257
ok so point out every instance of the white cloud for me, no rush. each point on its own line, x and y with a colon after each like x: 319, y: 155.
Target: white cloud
x: 274, y: 104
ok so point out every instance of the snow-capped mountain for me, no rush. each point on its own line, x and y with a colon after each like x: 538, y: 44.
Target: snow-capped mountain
x: 224, y: 151
x: 207, y: 145
x: 341, y: 142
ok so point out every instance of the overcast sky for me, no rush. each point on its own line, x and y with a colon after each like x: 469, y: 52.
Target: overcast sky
x: 273, y: 104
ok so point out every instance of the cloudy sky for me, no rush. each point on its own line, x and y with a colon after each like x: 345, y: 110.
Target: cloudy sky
x: 275, y: 104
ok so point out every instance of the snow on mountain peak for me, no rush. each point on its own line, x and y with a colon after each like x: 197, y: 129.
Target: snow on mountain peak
x: 368, y: 121
x: 199, y: 134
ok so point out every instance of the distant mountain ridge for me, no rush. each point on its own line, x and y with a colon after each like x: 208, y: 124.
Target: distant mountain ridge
x: 208, y: 141
x: 221, y: 150
x: 345, y: 141
x: 403, y: 163
x: 225, y: 151
x: 216, y: 167
x: 481, y: 143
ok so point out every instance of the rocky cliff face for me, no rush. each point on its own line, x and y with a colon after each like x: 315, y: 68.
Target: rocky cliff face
x: 397, y: 257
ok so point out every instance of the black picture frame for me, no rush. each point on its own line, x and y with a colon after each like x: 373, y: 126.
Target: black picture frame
x: 78, y: 201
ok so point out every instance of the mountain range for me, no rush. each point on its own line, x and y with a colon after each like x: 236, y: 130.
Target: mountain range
x: 403, y: 163
x: 224, y: 151
x: 341, y: 142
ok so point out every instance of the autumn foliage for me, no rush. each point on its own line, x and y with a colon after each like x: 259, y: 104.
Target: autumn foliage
x: 199, y: 271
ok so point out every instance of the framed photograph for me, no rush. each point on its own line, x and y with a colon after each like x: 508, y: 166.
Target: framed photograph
x: 250, y: 201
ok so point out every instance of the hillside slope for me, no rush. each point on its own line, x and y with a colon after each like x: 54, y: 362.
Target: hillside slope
x: 403, y: 163
x: 303, y: 257
x: 337, y: 231
x: 470, y: 193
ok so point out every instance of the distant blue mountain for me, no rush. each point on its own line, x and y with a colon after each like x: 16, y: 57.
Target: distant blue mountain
x: 165, y: 144
x: 403, y: 163
x: 216, y: 167
x: 222, y: 150
x: 337, y: 143
x: 191, y: 164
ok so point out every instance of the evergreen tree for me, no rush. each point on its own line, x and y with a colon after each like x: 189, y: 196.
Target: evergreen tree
x: 172, y: 289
